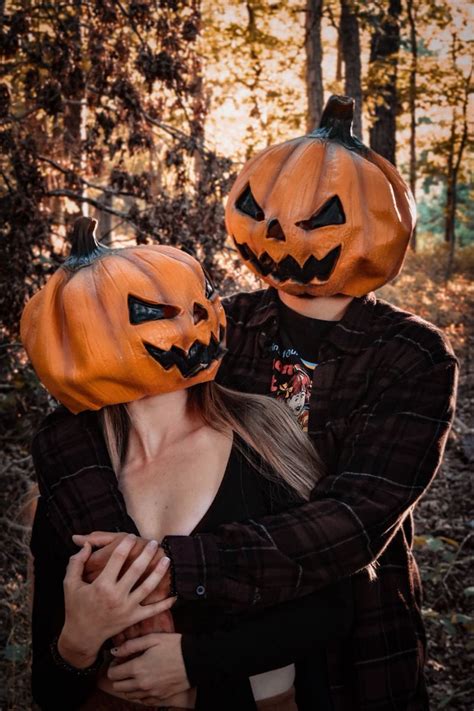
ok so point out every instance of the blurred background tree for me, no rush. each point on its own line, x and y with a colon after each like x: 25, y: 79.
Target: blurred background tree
x: 103, y: 109
x: 140, y: 114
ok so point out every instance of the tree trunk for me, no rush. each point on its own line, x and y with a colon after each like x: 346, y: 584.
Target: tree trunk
x: 412, y: 102
x: 75, y: 111
x: 350, y: 42
x: 339, y: 56
x: 199, y: 105
x: 256, y: 71
x: 104, y: 219
x: 314, y: 60
x: 384, y: 46
x: 450, y: 206
x: 454, y: 164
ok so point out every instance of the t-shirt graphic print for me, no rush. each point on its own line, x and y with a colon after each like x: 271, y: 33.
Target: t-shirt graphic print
x: 291, y: 382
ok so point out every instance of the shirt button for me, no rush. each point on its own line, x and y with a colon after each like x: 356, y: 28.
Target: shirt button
x: 200, y: 590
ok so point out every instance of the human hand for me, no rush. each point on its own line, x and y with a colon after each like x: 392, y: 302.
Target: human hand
x: 158, y: 623
x: 157, y: 673
x: 96, y: 611
x: 107, y: 542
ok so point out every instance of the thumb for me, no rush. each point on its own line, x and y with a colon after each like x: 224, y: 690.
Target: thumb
x: 76, y: 564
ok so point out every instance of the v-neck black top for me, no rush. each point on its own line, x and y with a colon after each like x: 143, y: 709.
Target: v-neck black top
x: 222, y: 650
x: 244, y: 493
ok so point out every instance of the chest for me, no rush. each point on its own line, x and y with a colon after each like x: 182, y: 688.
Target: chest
x: 171, y: 494
x: 343, y: 387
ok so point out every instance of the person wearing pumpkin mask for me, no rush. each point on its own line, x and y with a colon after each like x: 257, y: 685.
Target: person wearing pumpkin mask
x: 324, y: 220
x: 188, y: 455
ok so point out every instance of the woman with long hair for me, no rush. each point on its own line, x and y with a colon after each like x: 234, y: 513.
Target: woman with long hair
x: 131, y: 339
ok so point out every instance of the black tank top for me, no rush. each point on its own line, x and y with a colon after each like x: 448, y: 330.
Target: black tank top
x: 245, y: 492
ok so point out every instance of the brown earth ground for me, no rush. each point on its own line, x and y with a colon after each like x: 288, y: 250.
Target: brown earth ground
x: 445, y: 520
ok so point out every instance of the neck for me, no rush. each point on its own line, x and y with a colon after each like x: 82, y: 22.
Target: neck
x: 156, y: 422
x: 325, y: 308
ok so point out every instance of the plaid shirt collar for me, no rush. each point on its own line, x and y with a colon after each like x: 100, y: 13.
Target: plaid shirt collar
x: 351, y: 334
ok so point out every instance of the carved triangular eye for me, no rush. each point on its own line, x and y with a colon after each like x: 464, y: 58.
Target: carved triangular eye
x: 247, y: 204
x: 143, y: 311
x: 199, y: 313
x: 331, y: 213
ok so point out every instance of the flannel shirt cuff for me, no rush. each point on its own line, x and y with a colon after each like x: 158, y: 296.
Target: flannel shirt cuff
x: 196, y: 568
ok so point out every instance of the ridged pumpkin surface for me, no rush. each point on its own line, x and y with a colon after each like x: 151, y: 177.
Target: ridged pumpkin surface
x: 367, y: 214
x: 93, y: 334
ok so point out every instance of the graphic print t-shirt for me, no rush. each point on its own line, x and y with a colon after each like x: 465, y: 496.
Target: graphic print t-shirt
x: 295, y: 354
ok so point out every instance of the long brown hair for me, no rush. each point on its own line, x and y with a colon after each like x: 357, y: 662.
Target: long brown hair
x: 264, y: 425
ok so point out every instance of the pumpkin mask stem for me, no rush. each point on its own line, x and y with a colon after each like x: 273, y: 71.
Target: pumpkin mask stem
x: 85, y: 248
x: 336, y: 124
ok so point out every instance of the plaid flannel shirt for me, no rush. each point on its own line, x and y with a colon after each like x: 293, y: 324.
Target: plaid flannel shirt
x: 381, y: 407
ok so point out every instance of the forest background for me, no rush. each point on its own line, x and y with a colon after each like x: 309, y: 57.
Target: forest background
x: 140, y: 114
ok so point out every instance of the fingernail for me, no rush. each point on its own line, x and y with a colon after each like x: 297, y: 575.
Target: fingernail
x: 164, y: 563
x: 152, y: 544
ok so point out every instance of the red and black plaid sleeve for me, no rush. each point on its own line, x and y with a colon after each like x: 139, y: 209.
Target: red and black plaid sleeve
x: 389, y: 449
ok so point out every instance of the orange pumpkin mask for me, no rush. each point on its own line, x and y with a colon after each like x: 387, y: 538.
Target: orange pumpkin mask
x: 115, y: 325
x: 322, y: 214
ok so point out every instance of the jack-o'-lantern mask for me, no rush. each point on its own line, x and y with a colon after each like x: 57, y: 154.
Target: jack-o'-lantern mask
x: 115, y: 325
x: 322, y: 214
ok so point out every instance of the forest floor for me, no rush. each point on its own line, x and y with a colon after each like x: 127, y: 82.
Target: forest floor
x: 444, y: 517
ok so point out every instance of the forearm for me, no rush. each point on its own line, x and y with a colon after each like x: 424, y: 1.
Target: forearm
x: 389, y: 456
x: 270, y: 639
x: 74, y: 653
x: 55, y: 686
x: 61, y: 677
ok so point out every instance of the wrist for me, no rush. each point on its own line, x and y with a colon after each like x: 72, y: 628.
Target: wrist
x: 79, y: 655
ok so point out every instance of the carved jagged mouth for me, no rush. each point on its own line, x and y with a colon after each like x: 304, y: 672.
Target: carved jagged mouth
x: 199, y: 357
x: 288, y: 268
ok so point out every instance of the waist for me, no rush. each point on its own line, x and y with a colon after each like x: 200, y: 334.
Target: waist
x: 265, y: 688
x: 273, y: 691
x: 278, y: 702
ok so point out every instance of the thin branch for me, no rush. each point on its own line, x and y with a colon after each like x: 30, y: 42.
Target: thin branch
x: 20, y: 117
x: 14, y: 525
x: 125, y: 217
x: 5, y: 177
x: 91, y: 201
x: 132, y: 24
x: 94, y: 186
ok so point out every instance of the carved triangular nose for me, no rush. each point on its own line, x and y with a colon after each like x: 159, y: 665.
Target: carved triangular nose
x: 274, y: 230
x: 199, y: 313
